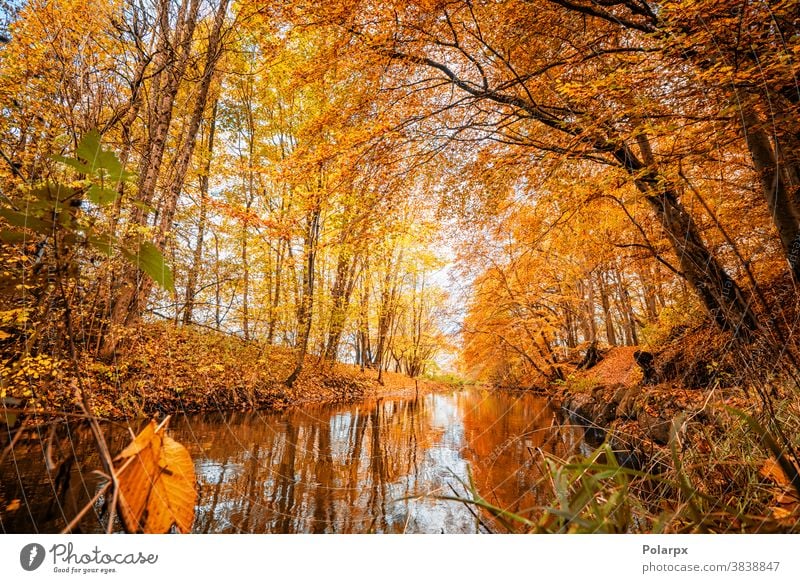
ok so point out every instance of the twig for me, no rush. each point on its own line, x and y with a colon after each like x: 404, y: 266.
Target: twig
x: 102, y: 445
x: 471, y: 511
x: 10, y: 446
x: 112, y: 509
x: 74, y: 522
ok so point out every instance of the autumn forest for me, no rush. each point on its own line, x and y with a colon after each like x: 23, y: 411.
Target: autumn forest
x: 550, y: 248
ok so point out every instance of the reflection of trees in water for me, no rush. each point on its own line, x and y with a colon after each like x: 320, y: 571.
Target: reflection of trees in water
x: 283, y: 495
x: 315, y: 471
x: 505, y: 436
x: 319, y: 470
x: 51, y: 475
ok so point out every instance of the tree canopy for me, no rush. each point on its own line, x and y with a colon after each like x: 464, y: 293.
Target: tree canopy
x: 389, y: 183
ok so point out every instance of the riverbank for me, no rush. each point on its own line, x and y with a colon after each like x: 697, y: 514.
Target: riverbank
x: 636, y: 403
x: 163, y: 369
x: 703, y: 445
x: 694, y: 465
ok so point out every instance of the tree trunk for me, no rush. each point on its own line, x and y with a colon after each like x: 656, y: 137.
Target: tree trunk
x: 340, y: 300
x: 611, y: 336
x: 169, y: 203
x: 305, y: 310
x: 569, y: 326
x: 775, y: 188
x: 363, y: 348
x: 719, y: 293
x: 172, y: 56
x: 217, y: 286
x: 245, y: 277
x: 276, y: 291
x: 197, y: 255
x: 649, y: 293
x: 386, y: 312
x: 629, y: 318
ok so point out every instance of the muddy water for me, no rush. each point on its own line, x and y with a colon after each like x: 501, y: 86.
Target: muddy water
x: 375, y: 466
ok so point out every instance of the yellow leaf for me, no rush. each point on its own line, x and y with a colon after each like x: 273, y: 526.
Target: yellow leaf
x: 773, y: 471
x: 13, y: 505
x: 156, y: 483
x: 780, y: 513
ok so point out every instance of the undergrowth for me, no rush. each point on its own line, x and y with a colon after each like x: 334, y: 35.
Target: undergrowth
x: 723, y: 476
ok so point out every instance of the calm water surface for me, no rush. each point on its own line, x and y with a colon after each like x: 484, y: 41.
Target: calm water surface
x: 375, y: 466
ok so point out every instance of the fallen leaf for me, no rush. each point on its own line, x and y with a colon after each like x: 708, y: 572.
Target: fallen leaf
x: 13, y: 506
x: 786, y: 497
x: 156, y: 483
x: 789, y: 498
x: 773, y: 471
x: 781, y: 513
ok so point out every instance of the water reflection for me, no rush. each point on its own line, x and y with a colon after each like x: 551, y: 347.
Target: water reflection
x: 376, y: 466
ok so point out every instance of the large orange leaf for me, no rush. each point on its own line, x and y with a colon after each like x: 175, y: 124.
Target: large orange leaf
x: 156, y: 483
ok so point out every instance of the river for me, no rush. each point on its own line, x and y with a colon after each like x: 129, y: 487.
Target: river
x: 380, y: 465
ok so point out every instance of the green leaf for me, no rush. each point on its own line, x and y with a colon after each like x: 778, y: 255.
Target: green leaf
x: 50, y: 193
x: 103, y: 243
x: 26, y: 221
x: 150, y: 260
x: 89, y: 149
x: 73, y: 163
x: 92, y: 159
x: 101, y: 196
x: 7, y: 236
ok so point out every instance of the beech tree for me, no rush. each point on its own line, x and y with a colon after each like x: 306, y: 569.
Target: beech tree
x: 589, y: 166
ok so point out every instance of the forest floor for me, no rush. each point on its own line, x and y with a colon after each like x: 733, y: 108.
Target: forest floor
x: 613, y: 398
x: 166, y: 369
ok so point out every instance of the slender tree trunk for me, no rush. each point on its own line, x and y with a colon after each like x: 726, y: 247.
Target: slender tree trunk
x: 340, y: 300
x: 197, y: 255
x: 305, y: 311
x: 611, y: 336
x: 217, y: 286
x: 631, y: 338
x: 172, y: 56
x: 245, y: 274
x: 183, y: 159
x: 649, y: 293
x: 386, y: 313
x: 363, y: 336
x: 586, y: 311
x: 588, y: 285
x: 569, y: 326
x: 276, y: 292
